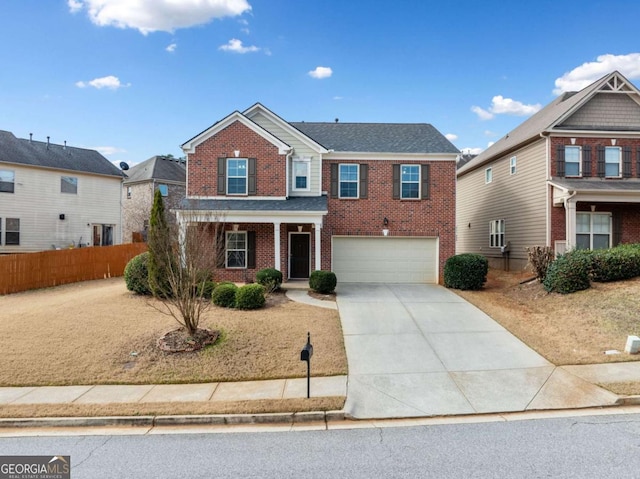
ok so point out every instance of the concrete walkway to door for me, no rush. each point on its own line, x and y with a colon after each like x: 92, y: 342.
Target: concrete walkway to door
x: 420, y: 350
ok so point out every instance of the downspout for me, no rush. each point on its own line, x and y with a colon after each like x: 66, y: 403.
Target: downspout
x: 548, y: 190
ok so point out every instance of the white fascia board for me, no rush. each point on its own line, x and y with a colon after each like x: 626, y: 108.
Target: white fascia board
x: 238, y: 216
x: 593, y: 133
x: 285, y: 126
x: 190, y: 146
x: 239, y: 198
x: 373, y: 156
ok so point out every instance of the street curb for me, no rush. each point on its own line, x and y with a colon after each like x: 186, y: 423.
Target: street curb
x: 629, y: 400
x: 77, y: 421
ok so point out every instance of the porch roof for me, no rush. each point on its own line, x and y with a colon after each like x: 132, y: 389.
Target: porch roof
x: 596, y: 190
x: 311, y: 204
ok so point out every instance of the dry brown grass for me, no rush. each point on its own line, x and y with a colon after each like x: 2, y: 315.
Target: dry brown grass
x: 85, y: 333
x: 566, y: 329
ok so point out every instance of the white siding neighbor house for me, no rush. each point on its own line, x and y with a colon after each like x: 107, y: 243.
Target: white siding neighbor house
x: 56, y: 196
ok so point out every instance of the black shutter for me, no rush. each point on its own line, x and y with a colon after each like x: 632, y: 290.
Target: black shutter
x: 425, y: 172
x: 222, y: 176
x: 251, y: 249
x: 396, y: 182
x: 560, y: 160
x: 638, y: 162
x: 364, y: 180
x: 251, y: 177
x: 601, y: 165
x: 586, y: 160
x: 626, y: 162
x: 334, y: 180
x: 616, y: 220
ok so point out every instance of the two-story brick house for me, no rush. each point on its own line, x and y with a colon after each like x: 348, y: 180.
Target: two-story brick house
x: 372, y: 202
x: 568, y: 177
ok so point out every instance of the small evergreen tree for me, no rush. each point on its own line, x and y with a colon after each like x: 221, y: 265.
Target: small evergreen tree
x: 159, y: 242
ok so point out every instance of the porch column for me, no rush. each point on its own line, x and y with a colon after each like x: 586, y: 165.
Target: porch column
x: 570, y: 220
x: 318, y: 227
x: 182, y: 236
x: 276, y: 243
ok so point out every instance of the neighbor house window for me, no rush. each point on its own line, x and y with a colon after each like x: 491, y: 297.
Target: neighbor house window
x: 612, y: 158
x: 488, y: 175
x: 236, y: 251
x: 237, y: 176
x: 69, y: 184
x: 572, y: 161
x: 348, y: 180
x: 593, y: 230
x: 7, y: 181
x: 301, y: 168
x: 128, y: 192
x: 512, y: 165
x: 12, y: 231
x: 164, y: 190
x: 410, y: 181
x: 496, y: 233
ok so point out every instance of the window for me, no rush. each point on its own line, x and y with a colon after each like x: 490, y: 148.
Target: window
x: 488, y: 175
x: 612, y: 161
x: 496, y: 233
x: 7, y: 181
x: 348, y: 181
x: 301, y: 169
x: 593, y: 230
x: 128, y: 192
x: 410, y: 181
x: 69, y: 184
x: 236, y: 176
x: 512, y: 165
x: 164, y: 190
x: 102, y: 235
x: 236, y: 253
x: 572, y: 161
x: 12, y: 231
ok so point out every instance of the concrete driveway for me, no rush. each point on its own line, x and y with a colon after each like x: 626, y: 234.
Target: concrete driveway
x: 420, y: 350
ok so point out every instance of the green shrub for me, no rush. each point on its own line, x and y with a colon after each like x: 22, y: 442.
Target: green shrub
x: 205, y: 289
x: 270, y: 278
x: 136, y: 274
x: 323, y: 282
x: 225, y: 295
x: 466, y: 271
x: 569, y: 273
x: 621, y: 262
x: 250, y: 296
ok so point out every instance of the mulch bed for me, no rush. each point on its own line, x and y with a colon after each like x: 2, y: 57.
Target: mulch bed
x: 180, y: 341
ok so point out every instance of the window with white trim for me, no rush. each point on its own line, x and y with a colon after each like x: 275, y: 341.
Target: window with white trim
x: 128, y: 192
x: 593, y: 230
x: 12, y: 231
x: 236, y: 249
x: 7, y: 181
x: 572, y: 160
x: 301, y: 174
x: 496, y: 233
x: 512, y: 165
x: 69, y: 184
x: 236, y: 176
x: 612, y: 160
x: 410, y: 181
x: 348, y: 180
x: 488, y: 175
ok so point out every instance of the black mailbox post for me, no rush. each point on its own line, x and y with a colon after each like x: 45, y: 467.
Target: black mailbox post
x: 305, y: 355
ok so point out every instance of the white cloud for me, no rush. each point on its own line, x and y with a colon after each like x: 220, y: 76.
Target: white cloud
x: 171, y: 48
x: 471, y: 151
x: 587, y: 73
x: 157, y: 15
x: 505, y: 106
x: 338, y: 98
x: 490, y: 133
x: 321, y: 72
x: 236, y: 46
x: 111, y: 82
x: 108, y: 150
x: 451, y: 136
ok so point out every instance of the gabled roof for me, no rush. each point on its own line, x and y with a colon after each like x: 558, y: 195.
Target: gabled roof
x: 49, y: 155
x: 158, y: 168
x: 378, y: 137
x: 549, y: 118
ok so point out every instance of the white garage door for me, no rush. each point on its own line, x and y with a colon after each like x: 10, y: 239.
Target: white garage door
x: 380, y: 259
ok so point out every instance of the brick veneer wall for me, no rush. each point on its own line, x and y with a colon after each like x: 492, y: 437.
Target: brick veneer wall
x: 634, y: 143
x: 364, y: 217
x: 203, y: 164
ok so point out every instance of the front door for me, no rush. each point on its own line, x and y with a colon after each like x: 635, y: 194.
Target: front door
x: 299, y: 255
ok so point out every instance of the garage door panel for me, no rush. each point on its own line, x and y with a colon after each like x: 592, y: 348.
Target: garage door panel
x: 385, y: 259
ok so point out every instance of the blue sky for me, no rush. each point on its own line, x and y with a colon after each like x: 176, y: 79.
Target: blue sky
x: 136, y: 78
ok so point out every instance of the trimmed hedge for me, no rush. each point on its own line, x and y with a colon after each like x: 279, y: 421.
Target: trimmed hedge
x: 224, y: 295
x: 250, y: 296
x: 467, y: 271
x: 569, y: 273
x: 136, y: 274
x: 323, y: 282
x: 621, y: 262
x: 270, y: 278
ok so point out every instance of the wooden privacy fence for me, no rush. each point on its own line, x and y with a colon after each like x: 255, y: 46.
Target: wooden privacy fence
x: 22, y: 272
